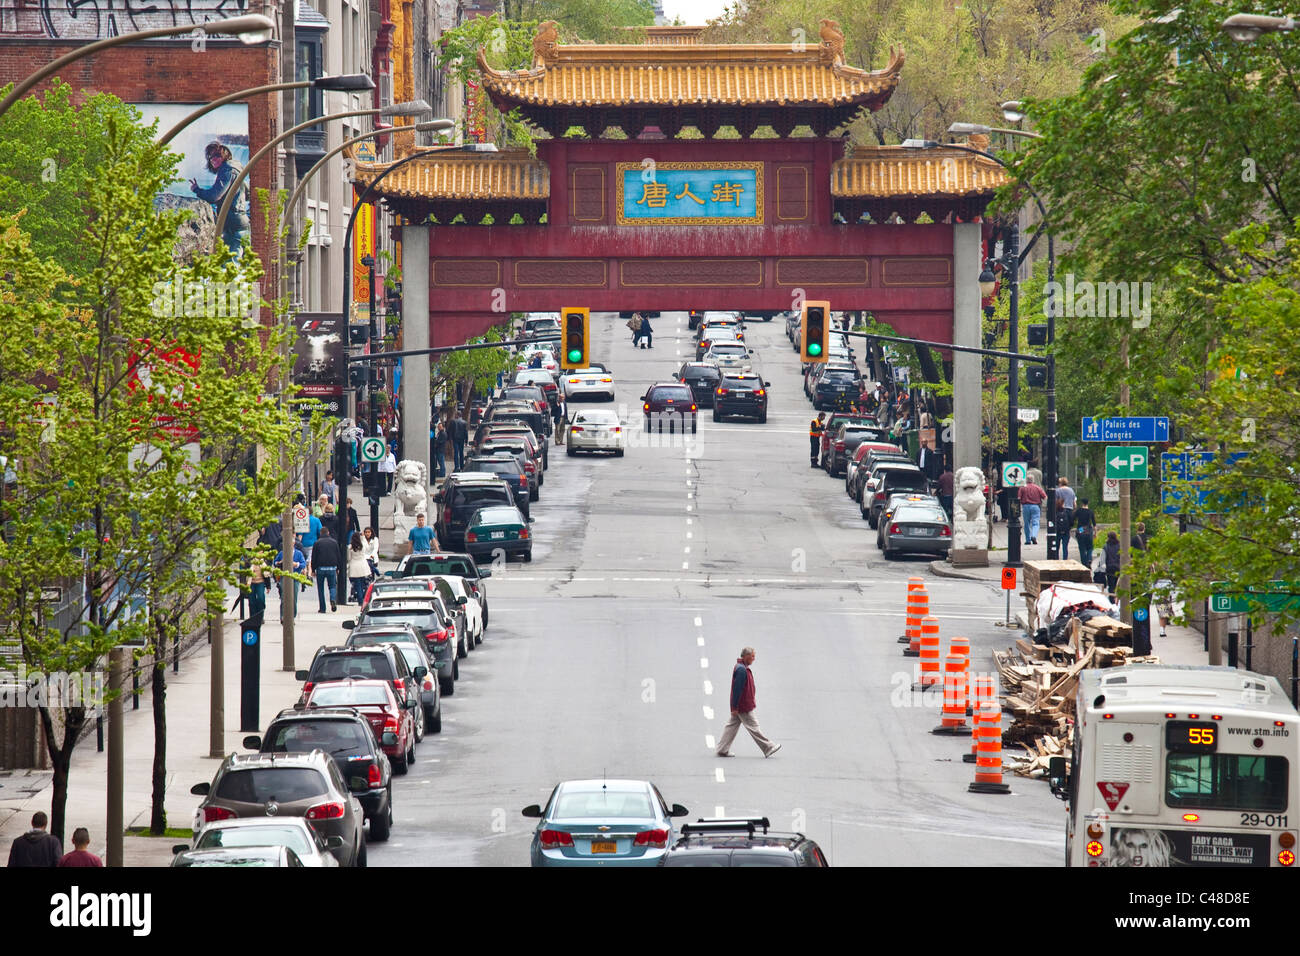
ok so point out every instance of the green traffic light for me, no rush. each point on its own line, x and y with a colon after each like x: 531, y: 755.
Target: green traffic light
x: 575, y: 355
x: 814, y: 349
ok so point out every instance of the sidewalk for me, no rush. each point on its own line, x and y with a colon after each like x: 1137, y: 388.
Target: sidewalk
x: 23, y: 792
x: 1182, y: 646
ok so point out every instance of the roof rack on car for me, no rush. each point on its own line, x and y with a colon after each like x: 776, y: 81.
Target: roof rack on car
x: 727, y: 825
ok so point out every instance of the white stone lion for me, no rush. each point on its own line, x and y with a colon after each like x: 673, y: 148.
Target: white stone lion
x: 410, y: 484
x: 968, y: 493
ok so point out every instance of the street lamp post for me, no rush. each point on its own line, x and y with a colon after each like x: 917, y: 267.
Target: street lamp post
x: 1247, y: 27
x: 251, y: 29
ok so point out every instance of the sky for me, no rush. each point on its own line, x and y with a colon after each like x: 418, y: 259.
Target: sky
x: 693, y: 12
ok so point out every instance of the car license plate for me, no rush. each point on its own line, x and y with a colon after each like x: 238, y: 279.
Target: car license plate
x: 924, y: 532
x: 604, y: 846
x: 498, y: 534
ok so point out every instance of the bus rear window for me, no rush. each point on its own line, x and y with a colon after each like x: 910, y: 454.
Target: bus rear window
x: 1223, y: 781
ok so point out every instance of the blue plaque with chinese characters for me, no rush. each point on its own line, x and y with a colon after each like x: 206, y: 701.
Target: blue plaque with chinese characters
x: 681, y: 194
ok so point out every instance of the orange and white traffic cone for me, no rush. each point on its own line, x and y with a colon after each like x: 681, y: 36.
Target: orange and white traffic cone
x: 953, y: 722
x: 988, y: 759
x: 913, y: 584
x: 961, y: 645
x: 918, y: 606
x: 931, y: 673
x: 983, y: 691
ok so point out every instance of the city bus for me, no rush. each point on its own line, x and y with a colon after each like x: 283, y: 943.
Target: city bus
x: 1180, y: 766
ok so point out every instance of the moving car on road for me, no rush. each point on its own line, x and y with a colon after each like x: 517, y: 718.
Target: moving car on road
x: 585, y: 384
x: 702, y: 378
x: 669, y: 403
x: 740, y: 393
x: 915, y: 526
x: 602, y: 823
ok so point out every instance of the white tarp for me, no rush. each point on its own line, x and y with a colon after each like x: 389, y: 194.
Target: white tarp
x: 1055, y: 599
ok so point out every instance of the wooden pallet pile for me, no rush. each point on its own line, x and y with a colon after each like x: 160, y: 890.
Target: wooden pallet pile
x: 1039, y: 686
x: 1042, y: 574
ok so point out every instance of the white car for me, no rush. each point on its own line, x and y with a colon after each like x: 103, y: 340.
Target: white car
x: 728, y: 355
x: 294, y: 832
x: 596, y: 429
x: 548, y: 361
x: 473, y: 609
x: 586, y: 383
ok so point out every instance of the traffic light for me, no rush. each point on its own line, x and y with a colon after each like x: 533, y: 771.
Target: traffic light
x: 575, y: 340
x: 1036, y: 376
x: 815, y: 323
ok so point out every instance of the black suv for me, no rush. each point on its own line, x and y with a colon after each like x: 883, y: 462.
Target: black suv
x: 702, y: 378
x: 740, y: 393
x: 384, y: 662
x: 429, y: 616
x: 347, y: 737
x: 739, y: 843
x: 506, y: 466
x: 411, y: 643
x: 670, y: 402
x: 461, y: 496
x: 462, y: 565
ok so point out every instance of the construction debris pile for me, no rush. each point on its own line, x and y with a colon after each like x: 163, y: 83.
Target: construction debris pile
x: 1040, y: 682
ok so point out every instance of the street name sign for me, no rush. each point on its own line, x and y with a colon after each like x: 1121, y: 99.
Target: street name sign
x: 1126, y: 462
x: 1140, y: 429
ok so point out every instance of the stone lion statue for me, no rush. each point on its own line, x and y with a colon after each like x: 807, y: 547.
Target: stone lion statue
x: 410, y: 483
x: 545, y: 42
x: 968, y: 493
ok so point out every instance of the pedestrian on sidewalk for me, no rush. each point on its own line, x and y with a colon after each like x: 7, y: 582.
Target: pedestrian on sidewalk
x: 1031, y: 496
x: 387, y: 468
x: 1085, y: 528
x: 329, y: 489
x: 945, y: 490
x: 257, y: 576
x: 440, y: 450
x: 1138, y: 540
x: 325, y: 558
x: 647, y: 333
x: 742, y: 708
x: 358, y: 568
x: 323, y: 502
x: 421, y: 536
x: 1112, y: 555
x: 370, y: 543
x: 1065, y: 502
x: 299, y: 566
x: 80, y: 856
x: 352, y: 524
x: 459, y: 435
x: 36, y: 848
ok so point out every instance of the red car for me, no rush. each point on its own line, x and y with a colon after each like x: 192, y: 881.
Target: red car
x: 375, y: 701
x: 832, y: 423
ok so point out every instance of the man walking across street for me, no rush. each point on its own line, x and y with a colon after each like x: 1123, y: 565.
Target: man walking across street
x: 742, y: 708
x: 325, y: 559
x: 36, y: 847
x: 1064, y: 514
x: 815, y: 429
x: 1032, y: 497
x: 459, y: 435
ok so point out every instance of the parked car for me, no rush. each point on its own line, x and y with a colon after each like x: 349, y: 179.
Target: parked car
x: 914, y: 526
x: 669, y: 402
x: 864, y: 457
x: 242, y: 857
x: 353, y: 746
x: 514, y: 431
x: 833, y: 421
x: 434, y: 623
x: 741, y: 842
x: 286, y: 785
x: 520, y: 411
x: 461, y: 495
x: 845, y: 440
x: 498, y: 528
x: 887, y: 479
x: 408, y: 639
x: 375, y: 700
x: 508, y: 466
x: 602, y: 823
x: 462, y: 565
x: 311, y: 849
x: 543, y: 380
x: 382, y: 662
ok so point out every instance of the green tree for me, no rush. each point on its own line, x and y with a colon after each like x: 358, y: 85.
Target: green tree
x: 106, y: 400
x: 475, y: 370
x: 599, y: 21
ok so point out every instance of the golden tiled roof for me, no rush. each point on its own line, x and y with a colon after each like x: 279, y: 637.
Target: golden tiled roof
x: 669, y: 35
x: 689, y: 75
x: 463, y: 175
x: 895, y: 171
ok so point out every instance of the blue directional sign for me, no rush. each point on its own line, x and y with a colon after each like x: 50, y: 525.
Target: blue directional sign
x: 1194, y: 465
x: 1139, y: 429
x: 1177, y: 497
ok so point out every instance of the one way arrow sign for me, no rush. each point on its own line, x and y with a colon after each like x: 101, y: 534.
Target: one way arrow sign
x: 1126, y: 462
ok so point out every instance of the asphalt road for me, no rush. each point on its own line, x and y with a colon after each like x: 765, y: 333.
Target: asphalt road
x: 611, y: 653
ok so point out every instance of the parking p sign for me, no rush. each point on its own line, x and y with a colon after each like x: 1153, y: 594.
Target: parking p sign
x: 373, y: 449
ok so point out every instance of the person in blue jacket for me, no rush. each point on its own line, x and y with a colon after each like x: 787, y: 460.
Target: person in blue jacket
x: 221, y: 163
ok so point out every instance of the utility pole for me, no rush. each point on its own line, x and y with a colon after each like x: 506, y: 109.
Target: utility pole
x: 288, y: 101
x: 1125, y: 608
x: 1011, y: 263
x: 114, y: 821
x: 217, y: 685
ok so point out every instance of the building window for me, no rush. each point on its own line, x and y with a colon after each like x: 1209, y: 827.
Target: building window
x: 309, y: 68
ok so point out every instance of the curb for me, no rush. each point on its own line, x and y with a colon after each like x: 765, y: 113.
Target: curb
x: 942, y: 569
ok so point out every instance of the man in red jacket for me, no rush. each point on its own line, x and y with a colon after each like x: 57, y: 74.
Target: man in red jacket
x: 742, y: 708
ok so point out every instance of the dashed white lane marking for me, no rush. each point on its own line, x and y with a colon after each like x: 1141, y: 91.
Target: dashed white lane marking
x: 686, y: 566
x: 689, y: 535
x: 708, y: 687
x: 719, y: 812
x: 704, y: 663
x: 710, y: 742
x: 690, y: 507
x: 688, y: 550
x: 699, y: 622
x: 708, y: 712
x: 717, y: 772
x: 699, y: 641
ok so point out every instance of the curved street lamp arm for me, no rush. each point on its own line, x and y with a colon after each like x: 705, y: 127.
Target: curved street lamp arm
x: 49, y: 69
x: 233, y: 190
x: 203, y: 110
x: 1042, y: 210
